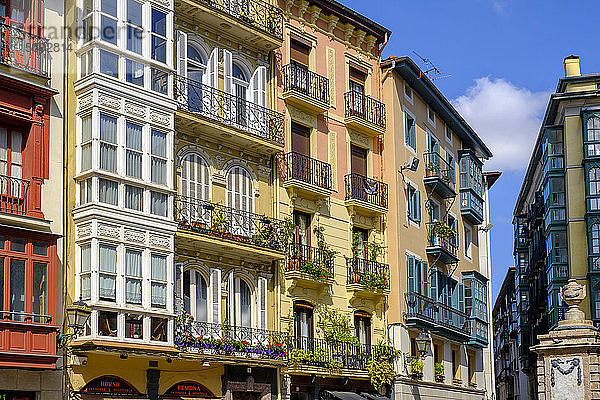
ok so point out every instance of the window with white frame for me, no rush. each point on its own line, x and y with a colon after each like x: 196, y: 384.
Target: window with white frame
x: 158, y: 289
x: 468, y: 241
x: 86, y: 269
x: 109, y: 63
x: 413, y: 203
x: 133, y: 156
x: 134, y: 198
x: 107, y: 266
x: 158, y: 167
x: 108, y: 192
x: 108, y: 143
x: 408, y: 92
x: 448, y: 135
x: 133, y: 276
x: 158, y: 204
x: 108, y: 21
x: 195, y: 295
x: 134, y: 26
x: 410, y: 132
x: 159, y: 35
x: 86, y: 143
x: 431, y: 115
x: 85, y: 191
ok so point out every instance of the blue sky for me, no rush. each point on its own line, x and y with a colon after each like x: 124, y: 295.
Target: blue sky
x: 505, y: 58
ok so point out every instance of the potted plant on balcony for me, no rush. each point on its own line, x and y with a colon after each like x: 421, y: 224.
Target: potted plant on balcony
x: 439, y: 372
x: 416, y: 368
x: 442, y: 229
x: 380, y: 367
x: 220, y: 224
x: 431, y: 169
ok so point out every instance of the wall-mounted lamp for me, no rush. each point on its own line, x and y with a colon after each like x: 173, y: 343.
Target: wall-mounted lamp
x: 423, y: 343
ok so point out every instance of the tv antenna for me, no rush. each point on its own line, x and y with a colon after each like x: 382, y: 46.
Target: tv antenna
x: 431, y: 71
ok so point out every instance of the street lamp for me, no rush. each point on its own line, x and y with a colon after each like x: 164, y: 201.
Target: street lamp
x: 77, y: 316
x: 423, y: 343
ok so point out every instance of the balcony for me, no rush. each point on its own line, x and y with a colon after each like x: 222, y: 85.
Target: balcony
x: 210, y: 341
x: 308, y: 176
x: 440, y: 177
x: 305, y: 89
x: 252, y: 22
x: 471, y: 207
x: 364, y: 114
x: 27, y: 340
x: 479, y: 333
x: 368, y: 196
x: 442, y: 244
x: 20, y: 203
x: 439, y: 318
x: 223, y: 116
x: 228, y: 231
x: 367, y: 278
x: 23, y: 50
x: 307, y: 353
x: 309, y: 267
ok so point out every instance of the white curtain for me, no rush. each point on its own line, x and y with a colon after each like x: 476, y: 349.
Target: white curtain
x: 158, y: 204
x: 201, y: 298
x: 86, y: 147
x: 16, y: 160
x: 133, y: 134
x: 159, y: 153
x: 134, y: 197
x: 107, y: 264
x: 245, y: 304
x: 159, y: 276
x: 108, y: 191
x: 108, y: 148
x: 133, y: 270
x: 86, y: 258
x: 86, y: 290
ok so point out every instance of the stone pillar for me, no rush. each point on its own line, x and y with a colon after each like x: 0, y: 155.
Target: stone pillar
x: 568, y: 363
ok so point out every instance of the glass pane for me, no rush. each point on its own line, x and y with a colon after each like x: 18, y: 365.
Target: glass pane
x: 134, y: 72
x: 159, y: 48
x: 134, y: 198
x: 134, y: 12
x: 159, y: 144
x: 108, y: 259
x: 40, y: 295
x: 17, y: 288
x: 107, y: 323
x: 18, y: 245
x: 86, y: 287
x: 159, y: 204
x: 201, y: 298
x: 158, y: 329
x: 133, y: 291
x: 159, y: 80
x: 109, y: 7
x: 40, y: 248
x: 134, y: 39
x: 109, y: 63
x: 134, y: 326
x: 86, y: 258
x: 159, y: 22
x: 109, y: 30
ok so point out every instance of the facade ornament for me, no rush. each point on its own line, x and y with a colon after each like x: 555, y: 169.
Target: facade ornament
x: 135, y: 110
x: 85, y: 230
x: 360, y: 37
x: 557, y: 365
x: 333, y: 21
x: 302, y: 7
x: 315, y: 13
x: 573, y: 294
x: 109, y: 101
x: 370, y: 40
x: 348, y: 31
x: 85, y: 102
x: 109, y: 231
x: 158, y: 118
x: 160, y: 241
x: 134, y: 236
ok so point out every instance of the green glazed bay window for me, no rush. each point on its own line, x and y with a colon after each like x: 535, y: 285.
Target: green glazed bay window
x: 471, y: 187
x: 591, y: 134
x: 475, y: 288
x: 553, y: 150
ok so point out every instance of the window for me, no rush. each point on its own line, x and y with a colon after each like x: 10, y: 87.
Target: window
x: 107, y: 265
x: 134, y: 72
x: 158, y: 329
x: 108, y: 21
x: 109, y: 63
x: 410, y: 134
x: 408, y: 92
x: 595, y: 238
x: 239, y: 304
x: 133, y: 158
x: 159, y: 281
x: 85, y: 191
x: 86, y: 62
x: 134, y: 326
x: 360, y: 238
x: 134, y: 26
x: 86, y: 143
x: 468, y: 241
x: 195, y: 295
x: 108, y: 143
x: 158, y: 168
x: 158, y: 204
x: 448, y: 135
x: 240, y: 196
x: 108, y: 191
x: 11, y: 159
x: 134, y: 198
x: 303, y: 324
x: 593, y: 136
x: 302, y: 228
x: 362, y: 327
x: 417, y: 274
x: 455, y: 364
x: 133, y: 276
x: 159, y: 36
x: 87, y: 20
x: 160, y: 81
x: 413, y: 201
x: 85, y: 274
x: 431, y: 115
x: 107, y: 323
x: 594, y: 188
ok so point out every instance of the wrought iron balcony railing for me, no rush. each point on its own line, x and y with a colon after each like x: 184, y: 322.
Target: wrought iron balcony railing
x: 371, y: 191
x: 230, y: 110
x: 229, y: 223
x: 14, y: 195
x: 440, y: 235
x: 298, y: 78
x: 257, y: 13
x: 370, y: 274
x: 308, y: 351
x: 365, y: 108
x: 310, y: 260
x: 304, y: 169
x: 17, y: 316
x: 436, y: 313
x: 227, y: 340
x: 437, y: 167
x: 22, y: 49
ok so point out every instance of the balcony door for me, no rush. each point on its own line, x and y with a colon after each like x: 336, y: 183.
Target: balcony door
x: 11, y: 168
x: 358, y: 160
x: 356, y: 84
x: 362, y: 326
x: 196, y: 72
x: 303, y: 325
x: 240, y: 200
x: 195, y: 189
x: 299, y: 55
x: 302, y: 233
x: 239, y: 302
x: 195, y: 295
x: 360, y: 238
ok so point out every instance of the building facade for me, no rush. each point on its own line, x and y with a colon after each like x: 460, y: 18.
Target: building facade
x: 335, y: 279
x: 556, y: 229
x: 438, y: 240
x: 31, y: 212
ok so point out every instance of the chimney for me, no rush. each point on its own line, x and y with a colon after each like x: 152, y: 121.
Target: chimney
x: 571, y: 64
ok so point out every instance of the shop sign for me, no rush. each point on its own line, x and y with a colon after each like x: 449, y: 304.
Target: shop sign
x: 188, y: 389
x: 16, y: 395
x: 109, y: 384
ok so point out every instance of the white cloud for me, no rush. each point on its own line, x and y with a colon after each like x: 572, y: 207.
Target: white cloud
x: 499, y: 7
x: 506, y: 117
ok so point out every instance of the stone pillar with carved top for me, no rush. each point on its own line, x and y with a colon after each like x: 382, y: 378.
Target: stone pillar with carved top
x: 568, y: 365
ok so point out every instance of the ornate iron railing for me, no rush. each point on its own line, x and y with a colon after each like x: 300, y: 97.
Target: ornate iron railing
x: 368, y: 190
x: 229, y: 223
x: 304, y: 169
x: 298, y: 78
x: 370, y: 274
x: 14, y: 195
x: 424, y: 308
x: 222, y: 339
x: 439, y: 238
x: 311, y: 260
x: 229, y: 110
x: 437, y: 167
x: 308, y: 351
x: 257, y: 13
x: 18, y: 316
x: 469, y: 201
x: 365, y: 108
x: 22, y: 49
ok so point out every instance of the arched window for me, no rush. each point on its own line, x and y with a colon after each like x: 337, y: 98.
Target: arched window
x: 594, y: 188
x: 240, y: 197
x: 196, y: 63
x: 195, y: 295
x: 239, y: 302
x: 595, y: 238
x: 593, y: 135
x: 195, y: 189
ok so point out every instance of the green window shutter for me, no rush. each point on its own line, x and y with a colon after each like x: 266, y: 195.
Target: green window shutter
x: 454, y: 295
x: 461, y: 297
x: 408, y: 201
x: 413, y: 134
x: 425, y: 280
x: 433, y: 289
x: 417, y: 206
x: 410, y: 267
x: 418, y: 285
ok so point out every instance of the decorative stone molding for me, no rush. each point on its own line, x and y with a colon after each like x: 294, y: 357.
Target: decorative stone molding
x: 135, y: 110
x: 160, y: 241
x: 263, y: 172
x: 360, y: 37
x: 333, y: 21
x: 370, y: 40
x: 348, y: 31
x: 159, y: 118
x: 109, y: 101
x: 302, y: 117
x: 85, y: 102
x: 315, y: 13
x: 135, y: 236
x: 109, y: 231
x: 360, y: 139
x: 302, y: 7
x: 83, y: 231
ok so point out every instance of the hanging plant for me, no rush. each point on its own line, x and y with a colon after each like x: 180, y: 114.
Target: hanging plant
x: 380, y: 367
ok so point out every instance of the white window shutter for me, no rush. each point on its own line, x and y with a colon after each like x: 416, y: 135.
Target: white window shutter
x: 178, y: 279
x: 215, y: 287
x: 231, y: 292
x: 211, y: 77
x: 228, y: 71
x: 262, y: 302
x: 182, y: 54
x: 261, y: 86
x: 251, y: 88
